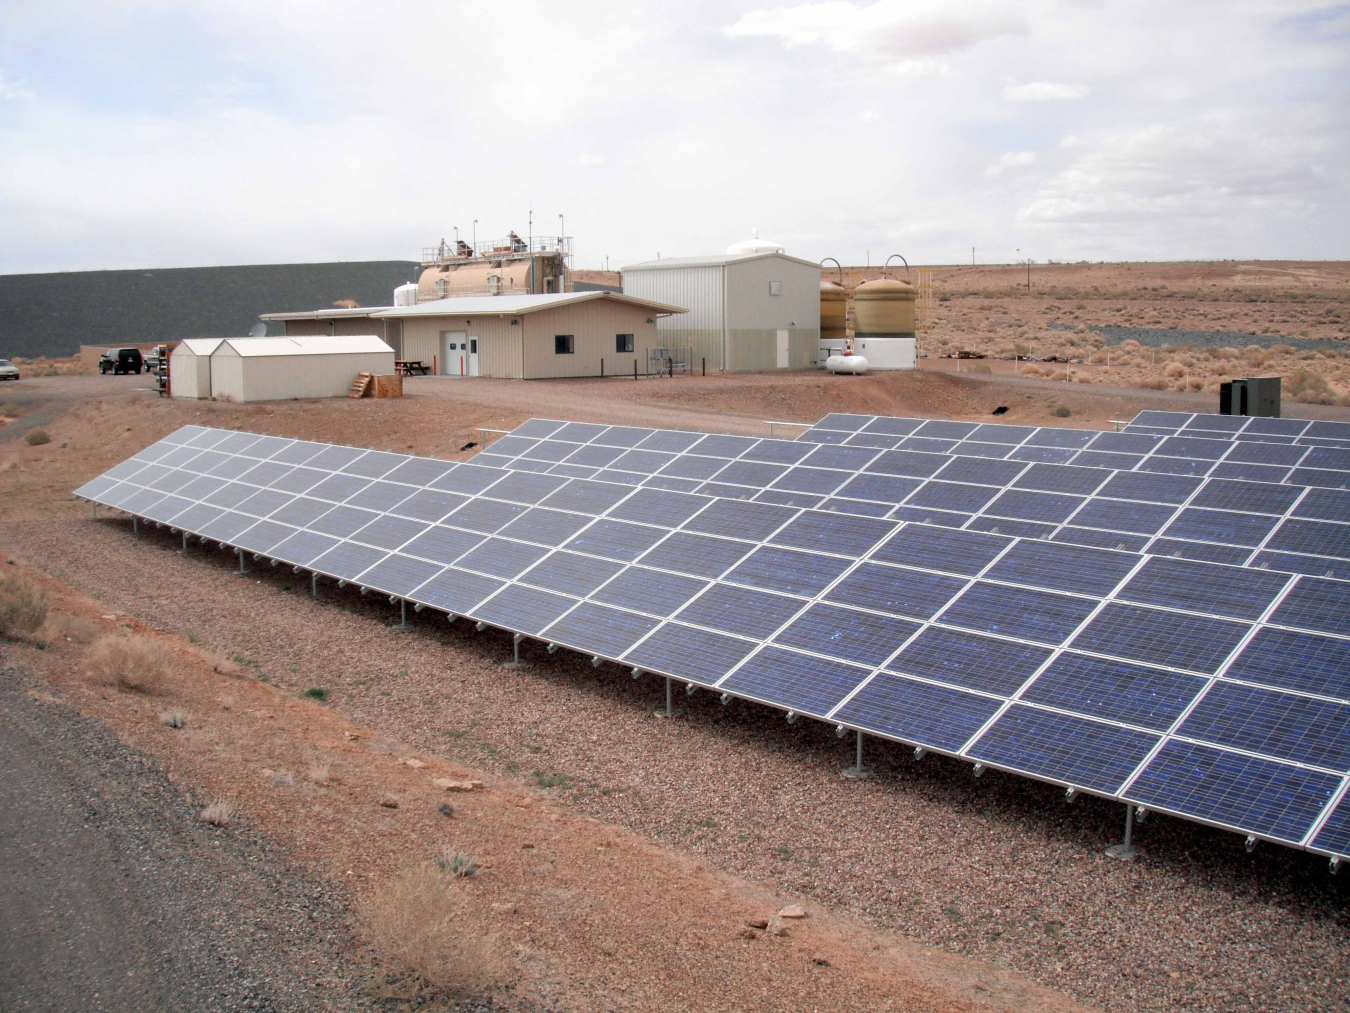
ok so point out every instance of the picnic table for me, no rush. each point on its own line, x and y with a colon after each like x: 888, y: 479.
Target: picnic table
x: 407, y: 367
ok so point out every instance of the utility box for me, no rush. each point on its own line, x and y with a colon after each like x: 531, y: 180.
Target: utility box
x: 1254, y: 395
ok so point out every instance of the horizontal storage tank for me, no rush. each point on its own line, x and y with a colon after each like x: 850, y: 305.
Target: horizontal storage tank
x: 854, y: 364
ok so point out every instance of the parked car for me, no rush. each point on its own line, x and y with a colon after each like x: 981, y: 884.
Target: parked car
x: 150, y: 360
x: 8, y: 371
x: 120, y: 360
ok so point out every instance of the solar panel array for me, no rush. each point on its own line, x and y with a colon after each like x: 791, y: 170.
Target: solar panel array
x: 1214, y: 692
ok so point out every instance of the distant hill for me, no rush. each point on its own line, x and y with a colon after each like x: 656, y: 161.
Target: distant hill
x: 53, y: 314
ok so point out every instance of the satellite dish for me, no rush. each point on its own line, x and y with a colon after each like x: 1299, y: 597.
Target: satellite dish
x: 258, y: 331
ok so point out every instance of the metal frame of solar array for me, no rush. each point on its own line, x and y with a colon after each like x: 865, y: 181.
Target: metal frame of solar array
x: 1219, y: 694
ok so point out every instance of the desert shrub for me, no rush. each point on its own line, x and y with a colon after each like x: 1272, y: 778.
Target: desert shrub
x: 417, y: 924
x: 174, y: 718
x: 456, y: 862
x: 129, y: 661
x: 1130, y: 345
x: 1305, y: 381
x: 1282, y: 349
x: 977, y: 367
x: 1174, y: 370
x: 1153, y: 383
x: 218, y: 814
x: 1062, y: 412
x: 1031, y: 369
x: 318, y: 772
x: 23, y: 608
x: 60, y: 626
x: 36, y: 437
x: 1060, y: 374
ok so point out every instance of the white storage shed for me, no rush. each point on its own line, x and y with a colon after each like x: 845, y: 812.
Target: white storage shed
x: 277, y: 369
x: 752, y: 310
x: 190, y: 367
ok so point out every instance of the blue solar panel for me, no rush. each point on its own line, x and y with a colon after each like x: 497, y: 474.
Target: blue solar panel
x: 569, y: 573
x: 1272, y: 799
x: 429, y: 505
x: 1221, y: 526
x: 899, y: 591
x: 917, y: 712
x: 827, y: 532
x: 616, y: 539
x: 722, y: 446
x: 1319, y: 538
x: 847, y: 633
x: 1277, y: 724
x: 981, y: 471
x: 484, y: 515
x: 624, y: 436
x: 814, y: 480
x: 1335, y: 833
x: 936, y: 518
x: 1064, y: 748
x: 1324, y: 505
x: 347, y: 559
x: 1205, y: 552
x: 501, y: 558
x: 585, y: 497
x: 1101, y: 539
x: 647, y: 462
x: 1173, y: 489
x: 892, y: 426
x: 1198, y: 587
x: 688, y: 653
x: 936, y: 495
x: 468, y: 479
x: 400, y: 575
x: 777, y: 451
x: 1114, y: 690
x: 1018, y: 612
x: 655, y: 506
x: 593, y: 456
x: 1313, y: 604
x: 442, y: 544
x: 1297, y: 661
x: 751, y: 521
x: 1008, y: 526
x: 1063, y: 567
x: 752, y: 473
x: 741, y: 610
x: 1119, y: 515
x: 526, y: 609
x: 907, y: 463
x: 1253, y: 497
x: 701, y: 555
x: 795, y: 681
x: 969, y: 660
x: 599, y: 629
x: 1045, y: 455
x: 1075, y: 438
x: 1034, y: 506
x: 932, y: 548
x: 788, y: 570
x: 884, y: 488
x: 343, y: 521
x: 263, y: 535
x: 1157, y: 637
x: 387, y: 532
x: 653, y: 591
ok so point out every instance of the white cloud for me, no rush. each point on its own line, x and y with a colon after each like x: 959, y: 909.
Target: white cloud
x: 12, y: 91
x: 921, y: 68
x: 887, y: 27
x: 869, y: 116
x: 1011, y: 160
x: 588, y: 161
x: 1045, y: 91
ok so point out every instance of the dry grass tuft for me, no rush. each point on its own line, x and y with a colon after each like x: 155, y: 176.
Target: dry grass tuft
x: 175, y: 718
x: 218, y: 814
x: 37, y: 437
x: 77, y: 629
x: 456, y: 862
x: 130, y: 661
x: 23, y: 608
x: 283, y: 779
x: 318, y: 772
x: 419, y: 925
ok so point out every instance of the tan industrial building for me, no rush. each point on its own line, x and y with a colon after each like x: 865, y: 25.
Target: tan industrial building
x: 344, y: 322
x: 752, y: 308
x: 277, y: 369
x: 530, y: 336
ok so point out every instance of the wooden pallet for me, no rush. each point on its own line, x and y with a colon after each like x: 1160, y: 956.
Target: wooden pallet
x: 361, y: 385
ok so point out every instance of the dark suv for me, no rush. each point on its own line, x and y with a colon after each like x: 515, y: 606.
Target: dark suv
x: 120, y: 360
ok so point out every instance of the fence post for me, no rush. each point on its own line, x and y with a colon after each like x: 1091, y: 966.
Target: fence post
x: 670, y: 364
x: 602, y: 367
x: 635, y: 369
x: 705, y: 365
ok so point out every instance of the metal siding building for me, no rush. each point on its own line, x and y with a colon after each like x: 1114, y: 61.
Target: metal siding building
x: 344, y: 322
x: 734, y: 320
x: 277, y: 369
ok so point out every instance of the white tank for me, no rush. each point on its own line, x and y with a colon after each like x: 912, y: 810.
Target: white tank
x: 845, y: 363
x: 406, y: 295
x: 755, y: 245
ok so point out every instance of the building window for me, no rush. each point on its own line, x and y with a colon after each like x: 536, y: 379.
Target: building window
x: 623, y: 343
x: 775, y: 288
x: 563, y: 344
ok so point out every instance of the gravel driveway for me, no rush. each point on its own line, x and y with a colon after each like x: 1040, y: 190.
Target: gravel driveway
x: 114, y: 896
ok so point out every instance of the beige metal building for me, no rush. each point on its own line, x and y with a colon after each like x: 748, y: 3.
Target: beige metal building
x: 190, y: 367
x: 531, y: 336
x: 747, y: 310
x: 276, y: 369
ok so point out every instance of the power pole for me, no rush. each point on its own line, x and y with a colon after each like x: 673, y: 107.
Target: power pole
x: 972, y: 256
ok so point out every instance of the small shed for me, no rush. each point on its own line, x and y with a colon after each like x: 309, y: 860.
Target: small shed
x: 277, y: 369
x: 190, y: 367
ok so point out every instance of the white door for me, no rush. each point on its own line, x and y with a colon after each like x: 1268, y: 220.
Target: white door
x: 784, y: 350
x: 473, y: 355
x: 453, y: 352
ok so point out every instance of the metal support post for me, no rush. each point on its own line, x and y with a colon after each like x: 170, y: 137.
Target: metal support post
x: 669, y: 696
x: 135, y: 528
x: 402, y: 615
x: 858, y: 770
x: 185, y: 538
x: 242, y: 567
x: 1126, y: 852
x: 314, y: 585
x: 95, y: 506
x: 515, y: 649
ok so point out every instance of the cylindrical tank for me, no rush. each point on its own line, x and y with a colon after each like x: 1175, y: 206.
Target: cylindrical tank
x: 833, y: 307
x: 885, y: 308
x: 846, y: 363
x: 406, y: 295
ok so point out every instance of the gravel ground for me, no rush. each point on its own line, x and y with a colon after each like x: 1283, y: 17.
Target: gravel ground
x: 1156, y: 337
x: 998, y: 868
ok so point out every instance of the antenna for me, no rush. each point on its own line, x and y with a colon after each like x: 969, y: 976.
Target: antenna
x: 258, y: 330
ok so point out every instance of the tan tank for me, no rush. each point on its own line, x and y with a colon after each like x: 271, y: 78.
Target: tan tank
x: 885, y: 308
x: 833, y: 306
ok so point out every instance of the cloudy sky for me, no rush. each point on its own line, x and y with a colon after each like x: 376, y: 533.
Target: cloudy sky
x: 151, y: 133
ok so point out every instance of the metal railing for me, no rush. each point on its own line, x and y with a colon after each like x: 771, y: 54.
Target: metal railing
x: 671, y: 360
x: 458, y: 251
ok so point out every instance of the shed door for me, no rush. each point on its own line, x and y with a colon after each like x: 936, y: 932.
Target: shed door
x: 473, y: 355
x: 784, y: 350
x: 453, y: 353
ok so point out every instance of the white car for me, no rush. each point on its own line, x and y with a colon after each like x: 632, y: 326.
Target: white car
x: 8, y: 371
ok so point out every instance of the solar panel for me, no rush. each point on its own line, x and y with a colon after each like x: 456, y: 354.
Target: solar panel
x: 1053, y: 648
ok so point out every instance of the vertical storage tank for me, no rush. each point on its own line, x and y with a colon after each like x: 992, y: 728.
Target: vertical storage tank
x: 884, y: 314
